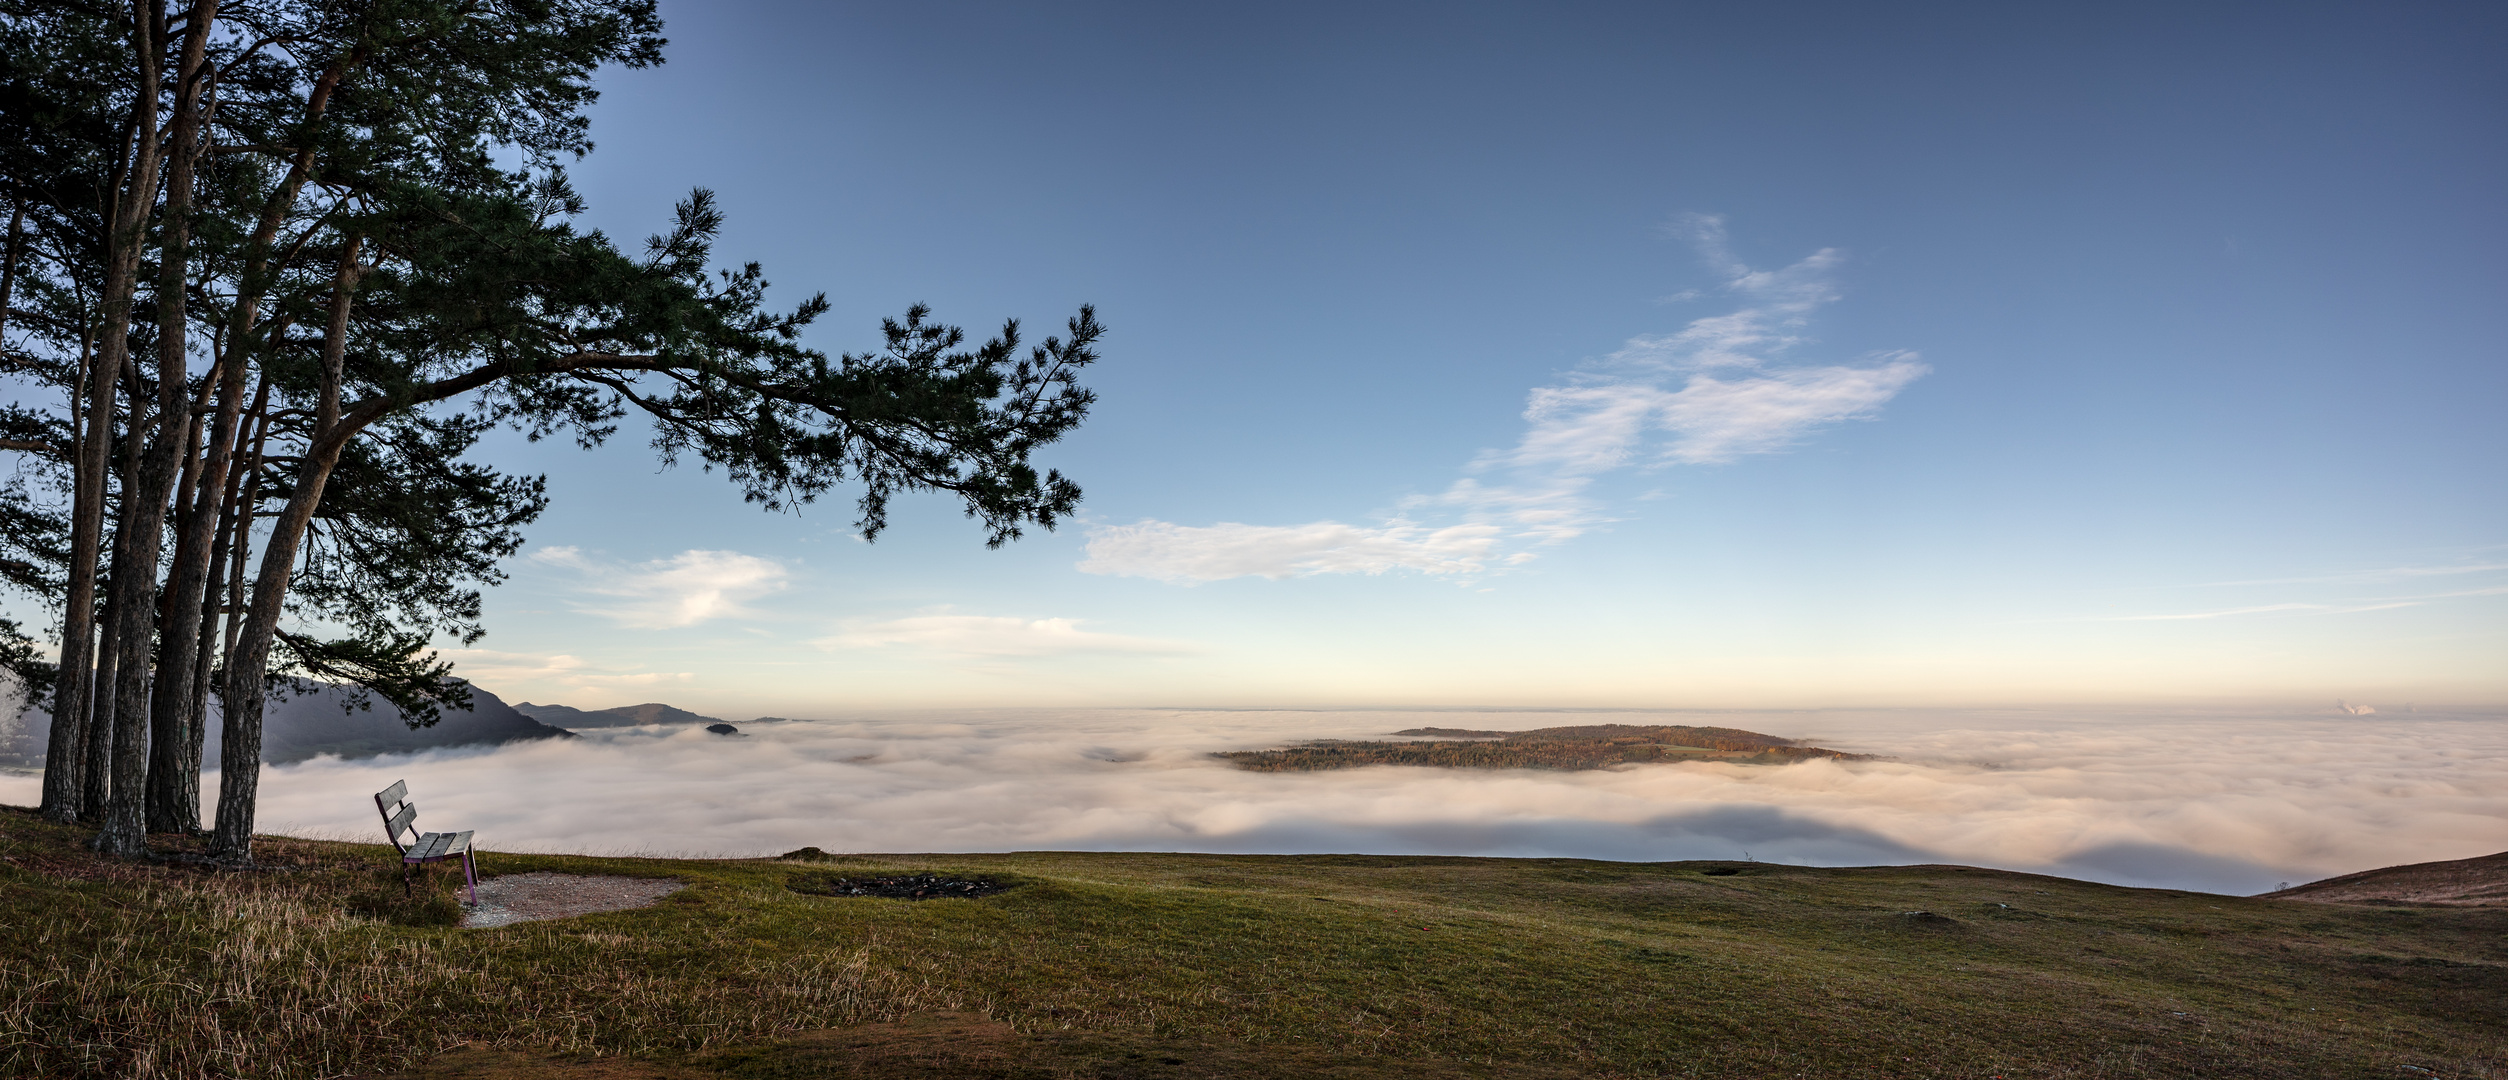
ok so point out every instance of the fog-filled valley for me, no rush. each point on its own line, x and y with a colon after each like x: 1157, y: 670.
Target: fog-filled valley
x: 2222, y: 801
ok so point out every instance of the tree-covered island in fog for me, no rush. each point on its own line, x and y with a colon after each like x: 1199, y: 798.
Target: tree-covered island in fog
x: 1589, y: 746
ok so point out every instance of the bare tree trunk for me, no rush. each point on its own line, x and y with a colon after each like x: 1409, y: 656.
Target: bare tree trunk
x: 144, y: 502
x: 135, y: 199
x: 65, y: 755
x: 98, y: 769
x: 173, y: 791
x: 234, y: 538
x: 104, y: 734
x: 173, y: 803
x: 242, y: 530
x: 134, y: 603
x: 239, y: 758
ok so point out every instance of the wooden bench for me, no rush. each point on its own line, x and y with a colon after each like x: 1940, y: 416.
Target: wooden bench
x: 422, y: 848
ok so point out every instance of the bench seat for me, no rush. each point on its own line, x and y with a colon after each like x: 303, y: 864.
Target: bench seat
x: 437, y: 845
x: 422, y: 848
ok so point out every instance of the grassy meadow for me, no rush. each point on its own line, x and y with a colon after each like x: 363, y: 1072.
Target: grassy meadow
x: 1124, y: 965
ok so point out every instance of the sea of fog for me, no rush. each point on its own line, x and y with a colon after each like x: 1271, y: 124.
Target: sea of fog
x: 2213, y: 801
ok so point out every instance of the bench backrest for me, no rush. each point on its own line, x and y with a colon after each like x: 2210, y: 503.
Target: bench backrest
x: 398, y: 812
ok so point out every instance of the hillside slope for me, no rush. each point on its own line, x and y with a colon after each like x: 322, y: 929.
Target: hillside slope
x: 309, y: 725
x: 2477, y: 881
x: 651, y: 712
x: 1206, y: 966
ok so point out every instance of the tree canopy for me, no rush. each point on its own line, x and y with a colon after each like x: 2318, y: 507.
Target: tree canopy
x: 274, y: 268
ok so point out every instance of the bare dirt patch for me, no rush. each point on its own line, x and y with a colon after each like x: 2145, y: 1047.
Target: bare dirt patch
x: 513, y: 898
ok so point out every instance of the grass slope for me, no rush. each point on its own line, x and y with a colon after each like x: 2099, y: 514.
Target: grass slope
x: 1108, y: 965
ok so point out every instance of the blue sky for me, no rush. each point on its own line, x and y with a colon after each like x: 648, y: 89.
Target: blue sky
x: 1610, y: 355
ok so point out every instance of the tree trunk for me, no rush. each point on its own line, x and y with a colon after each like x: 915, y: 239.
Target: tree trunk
x: 98, y: 769
x: 233, y: 539
x: 239, y: 759
x: 65, y: 755
x: 135, y: 198
x: 173, y: 790
x: 125, y: 827
x: 173, y: 783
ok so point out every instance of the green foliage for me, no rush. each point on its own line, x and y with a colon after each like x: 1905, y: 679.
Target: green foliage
x: 406, y: 159
x: 409, y: 531
x: 394, y: 665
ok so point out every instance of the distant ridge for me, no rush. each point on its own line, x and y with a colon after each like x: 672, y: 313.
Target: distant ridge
x: 310, y: 723
x: 2476, y: 882
x: 1591, y: 746
x: 651, y: 712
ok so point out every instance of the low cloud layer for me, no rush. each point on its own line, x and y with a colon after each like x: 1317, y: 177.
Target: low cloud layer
x: 1710, y: 393
x: 2212, y: 802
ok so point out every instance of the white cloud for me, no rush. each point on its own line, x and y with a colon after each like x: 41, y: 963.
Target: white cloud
x: 1187, y: 554
x: 1548, y: 510
x: 1593, y: 428
x: 686, y: 589
x: 992, y: 635
x: 488, y: 667
x: 2352, y: 607
x: 1707, y: 394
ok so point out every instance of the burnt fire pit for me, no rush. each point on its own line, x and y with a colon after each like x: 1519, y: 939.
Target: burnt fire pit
x: 897, y: 886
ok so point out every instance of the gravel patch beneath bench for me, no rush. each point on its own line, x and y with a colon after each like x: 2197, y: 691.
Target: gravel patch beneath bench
x: 515, y: 898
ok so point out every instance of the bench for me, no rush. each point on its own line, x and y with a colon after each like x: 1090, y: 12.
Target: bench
x: 422, y: 848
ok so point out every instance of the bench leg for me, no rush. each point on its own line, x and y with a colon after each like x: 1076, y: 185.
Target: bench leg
x: 407, y: 889
x: 470, y: 873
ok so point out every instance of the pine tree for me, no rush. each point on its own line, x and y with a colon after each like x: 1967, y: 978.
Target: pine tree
x: 344, y: 279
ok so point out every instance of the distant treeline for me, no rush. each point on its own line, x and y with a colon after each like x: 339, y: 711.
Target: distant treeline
x: 1593, y: 746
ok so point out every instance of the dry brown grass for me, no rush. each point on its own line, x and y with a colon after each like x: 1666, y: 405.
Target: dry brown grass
x: 1322, y: 965
x: 161, y: 972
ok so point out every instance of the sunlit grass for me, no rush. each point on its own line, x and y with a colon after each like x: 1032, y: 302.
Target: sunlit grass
x: 1599, y: 968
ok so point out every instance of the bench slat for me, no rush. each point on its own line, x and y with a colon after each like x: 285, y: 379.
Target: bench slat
x: 400, y: 823
x: 394, y: 794
x: 437, y: 845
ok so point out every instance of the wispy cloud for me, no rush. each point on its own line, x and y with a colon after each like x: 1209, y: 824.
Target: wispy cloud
x: 1186, y: 553
x: 1709, y: 393
x: 683, y: 590
x: 2368, y: 577
x: 509, y: 669
x: 2301, y: 608
x: 992, y: 636
x: 1580, y: 430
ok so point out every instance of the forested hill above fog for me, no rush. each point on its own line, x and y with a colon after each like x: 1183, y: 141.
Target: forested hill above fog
x: 1592, y: 746
x: 311, y: 723
x: 651, y: 712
